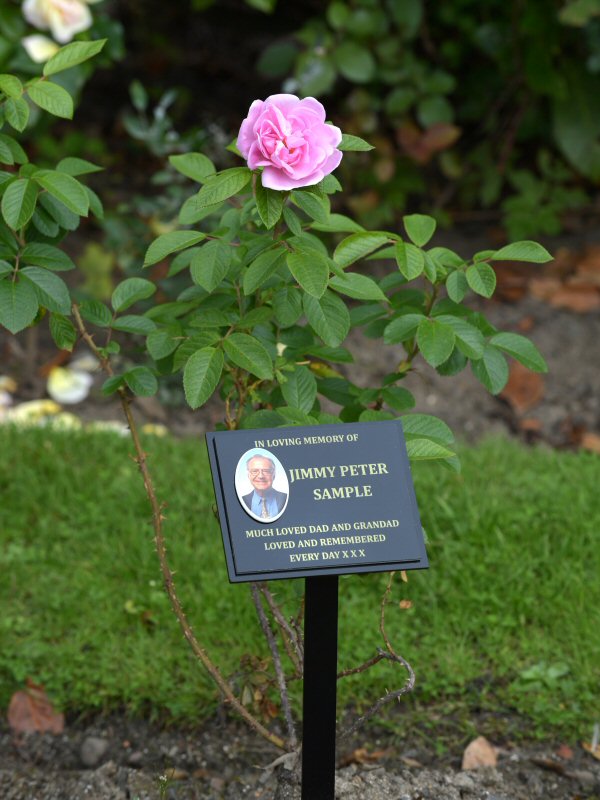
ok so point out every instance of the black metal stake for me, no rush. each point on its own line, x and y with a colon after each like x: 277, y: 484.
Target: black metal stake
x: 319, y: 699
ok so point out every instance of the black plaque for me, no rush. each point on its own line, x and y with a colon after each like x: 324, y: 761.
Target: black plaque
x: 340, y: 500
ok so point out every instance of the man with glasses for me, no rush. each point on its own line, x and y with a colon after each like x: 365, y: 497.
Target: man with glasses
x: 264, y: 501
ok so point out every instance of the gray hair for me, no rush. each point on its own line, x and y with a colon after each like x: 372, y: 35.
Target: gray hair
x: 258, y: 455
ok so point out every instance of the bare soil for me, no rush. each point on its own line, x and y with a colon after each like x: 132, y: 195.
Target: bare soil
x: 117, y: 758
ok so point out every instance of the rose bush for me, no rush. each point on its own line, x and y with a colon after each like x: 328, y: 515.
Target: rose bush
x: 64, y: 18
x: 290, y: 140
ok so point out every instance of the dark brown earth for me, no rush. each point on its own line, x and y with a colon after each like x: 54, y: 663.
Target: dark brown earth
x: 117, y: 758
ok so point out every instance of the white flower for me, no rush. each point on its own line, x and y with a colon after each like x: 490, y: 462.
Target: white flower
x: 39, y: 48
x: 66, y: 385
x: 63, y: 18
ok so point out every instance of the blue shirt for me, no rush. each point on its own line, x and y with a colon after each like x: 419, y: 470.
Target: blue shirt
x: 256, y: 504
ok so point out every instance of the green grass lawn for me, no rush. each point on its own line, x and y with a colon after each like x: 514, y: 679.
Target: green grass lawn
x: 506, y: 616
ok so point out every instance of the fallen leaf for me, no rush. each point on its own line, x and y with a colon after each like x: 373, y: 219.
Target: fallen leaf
x: 411, y: 762
x: 403, y: 576
x: 363, y: 756
x: 420, y: 145
x: 512, y: 280
x: 31, y: 711
x: 575, y: 298
x: 550, y: 765
x: 479, y: 753
x: 590, y: 441
x: 544, y: 288
x: 593, y: 751
x: 588, y: 266
x: 405, y: 604
x: 565, y: 752
x: 524, y: 389
x: 526, y: 324
x: 530, y: 425
x: 175, y: 774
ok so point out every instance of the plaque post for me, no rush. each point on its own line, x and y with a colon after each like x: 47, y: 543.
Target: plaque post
x: 320, y: 678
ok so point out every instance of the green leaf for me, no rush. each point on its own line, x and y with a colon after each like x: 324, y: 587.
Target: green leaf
x: 62, y: 331
x: 11, y: 86
x: 338, y: 223
x: 523, y: 251
x: 357, y: 286
x: 142, y: 381
x: 134, y: 323
x: 96, y: 313
x: 263, y: 418
x: 11, y: 151
x: 130, y: 291
x: 522, y: 349
x: 77, y: 166
x: 358, y: 245
x: 469, y: 339
x: 201, y: 375
x: 328, y: 317
x: 43, y: 222
x: 269, y: 204
x: 300, y: 389
x: 59, y: 212
x: 51, y: 290
x: 435, y: 340
x: 398, y: 398
x: 492, y: 369
x: 310, y: 269
x: 354, y: 62
x: 354, y: 143
x: 210, y: 264
x: 191, y: 212
x: 287, y: 305
x: 402, y: 328
x: 45, y: 255
x: 248, y: 353
x: 428, y: 426
x: 18, y: 304
x: 482, y: 279
x: 261, y: 269
x: 410, y: 260
x: 426, y: 450
x: 169, y: 243
x: 111, y: 384
x: 196, y: 166
x: 457, y: 286
x: 292, y: 221
x: 71, y: 55
x: 66, y: 189
x: 161, y: 343
x: 52, y: 98
x: 223, y: 186
x: 5, y: 268
x: 18, y: 203
x: 315, y: 207
x: 17, y: 113
x: 420, y: 228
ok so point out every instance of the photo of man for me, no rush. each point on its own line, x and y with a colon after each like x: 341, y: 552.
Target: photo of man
x: 264, y: 502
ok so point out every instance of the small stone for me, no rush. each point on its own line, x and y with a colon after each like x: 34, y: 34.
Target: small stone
x: 585, y: 778
x: 218, y: 784
x: 92, y: 750
x: 136, y: 759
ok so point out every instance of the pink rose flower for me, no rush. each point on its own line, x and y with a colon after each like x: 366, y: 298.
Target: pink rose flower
x: 290, y: 139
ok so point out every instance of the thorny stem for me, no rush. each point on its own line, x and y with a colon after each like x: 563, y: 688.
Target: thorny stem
x: 281, y: 680
x: 389, y: 655
x: 159, y: 540
x: 288, y: 634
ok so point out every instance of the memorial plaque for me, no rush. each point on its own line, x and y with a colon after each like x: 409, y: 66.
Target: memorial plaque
x: 316, y: 500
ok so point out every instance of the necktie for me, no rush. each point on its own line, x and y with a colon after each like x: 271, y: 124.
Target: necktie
x: 264, y: 513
